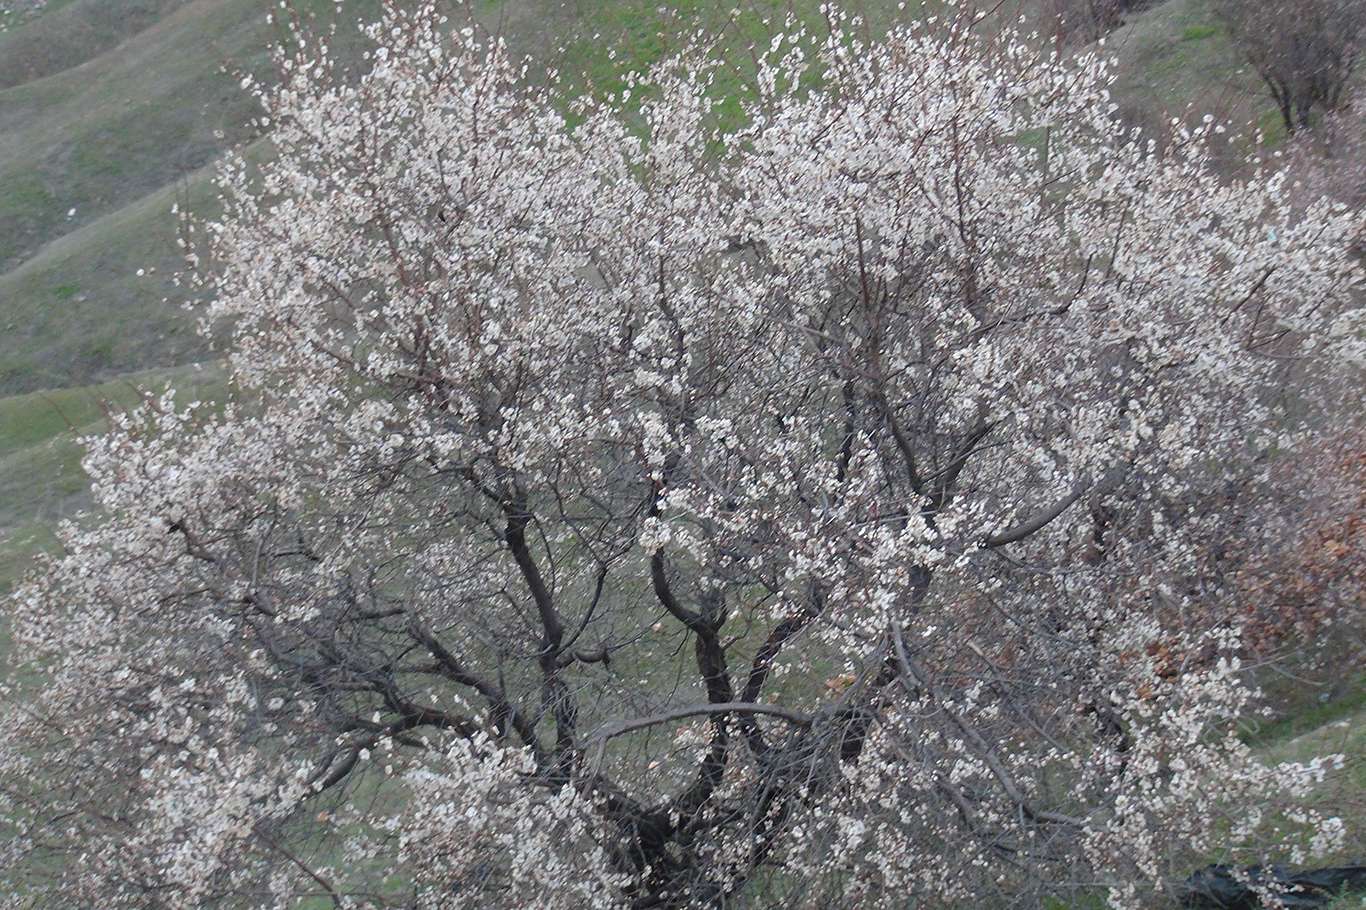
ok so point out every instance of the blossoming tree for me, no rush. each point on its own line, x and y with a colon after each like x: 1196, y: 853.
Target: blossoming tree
x: 632, y: 514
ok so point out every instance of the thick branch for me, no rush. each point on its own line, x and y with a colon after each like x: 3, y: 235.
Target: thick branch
x: 515, y: 534
x: 452, y: 669
x: 1036, y: 522
x: 617, y: 728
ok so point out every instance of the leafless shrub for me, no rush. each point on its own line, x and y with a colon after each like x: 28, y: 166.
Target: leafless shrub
x: 1304, y: 50
x: 1076, y: 21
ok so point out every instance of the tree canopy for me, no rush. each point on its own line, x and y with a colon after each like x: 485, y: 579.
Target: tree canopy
x: 627, y: 513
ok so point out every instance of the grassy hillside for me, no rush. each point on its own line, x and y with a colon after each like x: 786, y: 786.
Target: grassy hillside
x: 97, y: 128
x: 41, y: 482
x: 101, y: 128
x: 1176, y: 60
x: 105, y: 130
x: 64, y: 33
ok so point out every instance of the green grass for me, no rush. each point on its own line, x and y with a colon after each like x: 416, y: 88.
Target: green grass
x: 96, y: 143
x: 1340, y: 730
x: 78, y: 313
x: 1176, y: 61
x: 38, y: 418
x: 96, y: 136
x: 1199, y: 32
x: 1272, y: 127
x: 1309, y: 728
x: 66, y: 33
x: 1337, y: 727
x: 630, y: 36
x: 41, y: 481
x: 19, y: 548
x: 1310, y: 717
x: 12, y: 16
x: 104, y: 106
x: 1084, y: 902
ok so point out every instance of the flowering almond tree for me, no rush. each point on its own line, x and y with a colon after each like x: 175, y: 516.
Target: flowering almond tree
x: 812, y: 516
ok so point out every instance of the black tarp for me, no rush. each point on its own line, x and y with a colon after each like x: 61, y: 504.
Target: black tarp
x: 1227, y: 888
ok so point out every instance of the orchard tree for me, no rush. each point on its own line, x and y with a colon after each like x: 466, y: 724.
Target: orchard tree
x: 616, y: 512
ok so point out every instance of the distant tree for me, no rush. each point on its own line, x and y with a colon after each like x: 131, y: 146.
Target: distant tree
x: 817, y: 515
x: 1305, y: 50
x: 1070, y: 21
